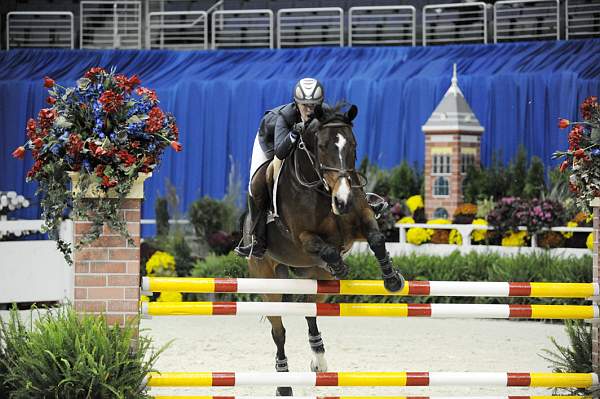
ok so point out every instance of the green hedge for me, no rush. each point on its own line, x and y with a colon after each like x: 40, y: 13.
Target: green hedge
x: 455, y: 267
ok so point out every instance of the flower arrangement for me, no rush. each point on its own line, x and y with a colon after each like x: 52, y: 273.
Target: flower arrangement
x: 418, y: 235
x: 10, y: 201
x: 455, y: 237
x: 514, y: 239
x: 536, y: 215
x: 583, y: 154
x: 161, y: 264
x: 439, y: 236
x: 589, y: 243
x: 107, y: 128
x: 464, y: 214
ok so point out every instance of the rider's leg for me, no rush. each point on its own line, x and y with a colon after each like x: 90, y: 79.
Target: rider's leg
x: 258, y: 205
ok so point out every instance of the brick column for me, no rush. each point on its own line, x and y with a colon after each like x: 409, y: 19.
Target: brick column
x: 107, y: 272
x: 596, y: 273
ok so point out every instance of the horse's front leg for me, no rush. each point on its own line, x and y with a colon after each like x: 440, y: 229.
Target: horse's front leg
x: 392, y: 279
x: 314, y: 245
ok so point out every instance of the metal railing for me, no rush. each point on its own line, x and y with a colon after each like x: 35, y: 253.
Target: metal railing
x: 111, y: 24
x: 526, y: 20
x: 242, y: 28
x: 455, y: 23
x: 39, y: 29
x: 299, y: 27
x: 177, y: 30
x: 582, y: 18
x: 385, y: 25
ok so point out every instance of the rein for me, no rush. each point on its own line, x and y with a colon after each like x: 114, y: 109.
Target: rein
x: 318, y: 167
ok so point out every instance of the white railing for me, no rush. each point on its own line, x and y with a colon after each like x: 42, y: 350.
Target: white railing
x: 455, y: 23
x: 526, y: 19
x: 177, y: 30
x: 385, y: 25
x: 34, y: 271
x: 582, y: 19
x: 39, y: 29
x: 111, y: 24
x: 465, y: 230
x: 300, y: 27
x: 242, y: 28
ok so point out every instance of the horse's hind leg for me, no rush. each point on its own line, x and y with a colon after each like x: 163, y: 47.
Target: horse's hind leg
x: 267, y: 268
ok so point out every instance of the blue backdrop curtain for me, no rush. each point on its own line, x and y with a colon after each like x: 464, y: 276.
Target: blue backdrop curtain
x: 517, y: 91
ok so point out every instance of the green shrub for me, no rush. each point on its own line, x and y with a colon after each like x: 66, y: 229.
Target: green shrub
x: 71, y: 356
x: 161, y: 211
x: 575, y: 358
x: 535, y: 184
x: 404, y: 181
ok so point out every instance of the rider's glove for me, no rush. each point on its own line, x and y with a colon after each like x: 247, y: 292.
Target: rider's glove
x: 296, y: 131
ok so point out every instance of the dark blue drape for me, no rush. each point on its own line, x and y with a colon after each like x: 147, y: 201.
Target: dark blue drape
x: 517, y: 90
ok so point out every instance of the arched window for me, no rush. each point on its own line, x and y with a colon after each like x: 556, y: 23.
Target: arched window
x: 440, y: 186
x: 440, y: 213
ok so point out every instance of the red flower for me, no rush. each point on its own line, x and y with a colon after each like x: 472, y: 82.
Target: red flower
x: 580, y: 153
x: 51, y: 100
x: 75, y: 145
x: 35, y: 168
x: 126, y: 157
x: 588, y: 105
x: 99, y: 170
x: 37, y: 143
x: 136, y: 144
x: 564, y: 166
x: 176, y: 146
x: 175, y: 130
x: 563, y: 123
x: 155, y: 120
x: 106, y: 182
x: 151, y: 94
x: 575, y: 136
x: 46, y: 117
x: 31, y: 129
x: 19, y: 153
x: 127, y: 84
x: 91, y: 74
x: 48, y: 82
x: 100, y: 151
x: 111, y: 101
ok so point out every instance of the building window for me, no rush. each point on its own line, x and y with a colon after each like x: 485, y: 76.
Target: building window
x: 441, y: 164
x: 466, y: 160
x: 440, y: 213
x: 441, y: 187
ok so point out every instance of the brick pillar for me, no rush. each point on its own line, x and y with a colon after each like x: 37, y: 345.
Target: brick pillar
x: 596, y: 273
x: 107, y: 272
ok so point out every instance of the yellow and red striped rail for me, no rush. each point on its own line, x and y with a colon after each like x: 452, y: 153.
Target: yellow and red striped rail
x: 435, y: 310
x: 368, y: 287
x: 347, y: 379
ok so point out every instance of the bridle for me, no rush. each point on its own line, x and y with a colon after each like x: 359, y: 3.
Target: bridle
x: 319, y: 168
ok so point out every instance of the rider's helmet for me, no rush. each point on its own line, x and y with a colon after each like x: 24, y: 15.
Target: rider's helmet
x: 309, y: 91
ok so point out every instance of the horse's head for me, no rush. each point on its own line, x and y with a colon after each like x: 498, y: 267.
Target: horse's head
x: 334, y: 146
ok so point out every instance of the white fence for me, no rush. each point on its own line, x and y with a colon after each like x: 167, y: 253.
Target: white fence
x: 385, y: 25
x: 455, y: 23
x: 301, y: 27
x: 111, y: 24
x: 242, y: 28
x: 177, y: 30
x: 34, y: 270
x: 39, y: 29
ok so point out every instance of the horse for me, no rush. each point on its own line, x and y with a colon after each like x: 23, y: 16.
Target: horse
x: 321, y: 210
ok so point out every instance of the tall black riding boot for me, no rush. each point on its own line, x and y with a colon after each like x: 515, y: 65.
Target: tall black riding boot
x: 258, y: 246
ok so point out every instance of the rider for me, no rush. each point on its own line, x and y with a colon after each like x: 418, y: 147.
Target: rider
x: 277, y: 136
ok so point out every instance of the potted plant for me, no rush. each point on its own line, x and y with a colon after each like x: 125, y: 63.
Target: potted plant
x: 106, y: 133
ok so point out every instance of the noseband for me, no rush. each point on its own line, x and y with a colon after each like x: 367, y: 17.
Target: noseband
x: 319, y: 168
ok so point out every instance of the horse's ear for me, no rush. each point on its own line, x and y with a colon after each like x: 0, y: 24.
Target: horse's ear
x: 352, y: 112
x: 318, y: 112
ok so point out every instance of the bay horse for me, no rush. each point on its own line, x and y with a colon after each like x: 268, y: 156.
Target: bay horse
x: 321, y: 210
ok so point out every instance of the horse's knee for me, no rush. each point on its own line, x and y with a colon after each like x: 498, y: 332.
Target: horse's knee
x: 376, y: 239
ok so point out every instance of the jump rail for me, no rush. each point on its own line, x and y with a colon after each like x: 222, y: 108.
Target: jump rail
x: 348, y: 379
x: 434, y: 310
x: 369, y: 287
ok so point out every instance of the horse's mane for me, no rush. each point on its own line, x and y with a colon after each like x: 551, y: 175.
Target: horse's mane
x: 335, y: 114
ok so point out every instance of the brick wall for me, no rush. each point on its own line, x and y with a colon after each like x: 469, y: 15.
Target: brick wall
x: 107, y: 272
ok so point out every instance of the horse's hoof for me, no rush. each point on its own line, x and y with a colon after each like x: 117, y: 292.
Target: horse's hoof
x: 284, y: 391
x: 394, y: 281
x: 339, y: 270
x: 319, y: 367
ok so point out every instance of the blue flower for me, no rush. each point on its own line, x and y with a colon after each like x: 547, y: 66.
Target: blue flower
x: 55, y: 149
x: 596, y: 152
x: 87, y: 165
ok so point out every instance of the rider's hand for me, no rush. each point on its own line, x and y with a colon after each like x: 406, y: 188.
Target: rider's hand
x: 296, y: 131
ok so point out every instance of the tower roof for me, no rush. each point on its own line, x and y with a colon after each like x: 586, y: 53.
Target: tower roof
x: 453, y: 113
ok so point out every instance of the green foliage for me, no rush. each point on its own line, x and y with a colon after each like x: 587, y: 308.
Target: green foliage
x: 209, y: 216
x: 575, y: 358
x: 535, y: 184
x: 481, y: 183
x: 71, y: 356
x: 518, y: 171
x: 162, y: 216
x: 184, y: 261
x: 404, y: 181
x: 455, y: 267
